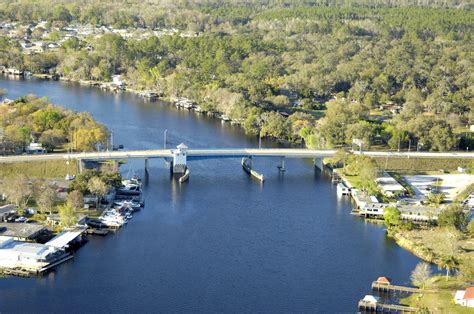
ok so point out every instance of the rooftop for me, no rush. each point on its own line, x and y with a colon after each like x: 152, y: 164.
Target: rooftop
x: 20, y: 230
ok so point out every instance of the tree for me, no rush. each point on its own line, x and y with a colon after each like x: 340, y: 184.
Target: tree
x: 52, y: 139
x: 421, y: 274
x: 453, y: 216
x: 435, y: 198
x: 97, y: 187
x: 392, y: 217
x: 46, y: 197
x: 75, y: 199
x: 18, y: 190
x: 67, y: 215
x: 87, y: 139
x: 449, y: 262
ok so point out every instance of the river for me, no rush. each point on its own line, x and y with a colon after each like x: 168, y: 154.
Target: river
x: 219, y: 243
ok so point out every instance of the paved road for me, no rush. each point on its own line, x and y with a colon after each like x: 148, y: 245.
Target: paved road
x: 228, y: 152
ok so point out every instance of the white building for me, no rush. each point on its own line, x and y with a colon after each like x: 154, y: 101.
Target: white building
x: 35, y: 148
x: 28, y: 256
x: 116, y: 80
x: 180, y: 158
x: 465, y: 297
x: 389, y: 185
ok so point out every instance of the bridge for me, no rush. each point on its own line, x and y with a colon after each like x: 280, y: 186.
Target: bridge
x: 179, y: 156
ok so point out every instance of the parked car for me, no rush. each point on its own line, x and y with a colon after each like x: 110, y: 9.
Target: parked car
x: 21, y: 219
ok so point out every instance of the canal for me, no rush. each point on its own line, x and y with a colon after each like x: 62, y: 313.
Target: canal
x: 219, y: 243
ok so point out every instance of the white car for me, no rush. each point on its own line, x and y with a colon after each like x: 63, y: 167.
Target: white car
x: 20, y: 219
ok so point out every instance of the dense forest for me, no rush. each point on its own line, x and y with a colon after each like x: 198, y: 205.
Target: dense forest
x: 32, y: 119
x: 391, y: 73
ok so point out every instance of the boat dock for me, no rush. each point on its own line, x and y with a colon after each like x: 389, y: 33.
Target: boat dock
x: 366, y: 306
x: 393, y: 288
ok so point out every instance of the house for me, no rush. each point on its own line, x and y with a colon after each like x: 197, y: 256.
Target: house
x: 116, y: 80
x: 35, y: 148
x: 465, y: 297
x: 384, y: 280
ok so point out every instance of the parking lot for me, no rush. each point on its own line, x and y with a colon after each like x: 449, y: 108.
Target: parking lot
x: 449, y: 184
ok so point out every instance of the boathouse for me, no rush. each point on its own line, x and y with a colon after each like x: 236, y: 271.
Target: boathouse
x: 384, y: 280
x: 32, y: 257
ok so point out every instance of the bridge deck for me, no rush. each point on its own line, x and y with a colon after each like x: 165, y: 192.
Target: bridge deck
x: 226, y: 153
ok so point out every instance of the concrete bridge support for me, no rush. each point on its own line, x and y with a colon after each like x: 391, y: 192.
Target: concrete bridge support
x: 281, y: 167
x: 80, y: 166
x: 147, y: 173
x: 318, y: 163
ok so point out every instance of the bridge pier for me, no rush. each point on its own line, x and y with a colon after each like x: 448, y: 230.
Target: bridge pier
x: 281, y: 167
x: 80, y: 166
x: 318, y: 163
x: 147, y: 173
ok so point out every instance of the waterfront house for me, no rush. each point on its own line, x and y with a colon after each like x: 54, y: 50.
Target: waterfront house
x: 342, y: 189
x: 465, y: 297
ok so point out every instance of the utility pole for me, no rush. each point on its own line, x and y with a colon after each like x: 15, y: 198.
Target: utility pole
x: 399, y: 144
x: 260, y: 139
x: 112, y: 139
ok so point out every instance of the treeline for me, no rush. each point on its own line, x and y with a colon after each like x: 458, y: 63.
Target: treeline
x: 260, y: 61
x: 184, y: 14
x: 31, y: 119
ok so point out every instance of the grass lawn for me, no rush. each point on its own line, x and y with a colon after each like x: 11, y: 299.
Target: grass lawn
x: 38, y: 169
x: 421, y: 165
x: 441, y: 301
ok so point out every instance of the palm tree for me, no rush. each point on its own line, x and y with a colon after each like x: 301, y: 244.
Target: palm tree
x: 449, y: 262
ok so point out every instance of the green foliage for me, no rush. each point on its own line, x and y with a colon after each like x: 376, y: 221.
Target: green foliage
x: 470, y: 228
x: 30, y: 115
x: 254, y: 57
x: 38, y: 169
x: 67, y: 215
x: 449, y: 262
x: 453, y: 216
x: 435, y: 198
x: 392, y: 217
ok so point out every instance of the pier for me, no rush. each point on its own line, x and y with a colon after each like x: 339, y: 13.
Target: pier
x: 393, y: 288
x: 367, y: 306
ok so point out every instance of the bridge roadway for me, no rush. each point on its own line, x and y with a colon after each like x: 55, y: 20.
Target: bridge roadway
x: 227, y: 153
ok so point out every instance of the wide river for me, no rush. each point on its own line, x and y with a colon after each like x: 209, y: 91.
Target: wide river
x: 219, y: 243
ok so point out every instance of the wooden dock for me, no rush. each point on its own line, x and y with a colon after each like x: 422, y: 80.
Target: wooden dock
x: 381, y: 307
x: 393, y: 288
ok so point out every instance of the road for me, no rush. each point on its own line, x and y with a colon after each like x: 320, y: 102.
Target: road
x: 227, y: 153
